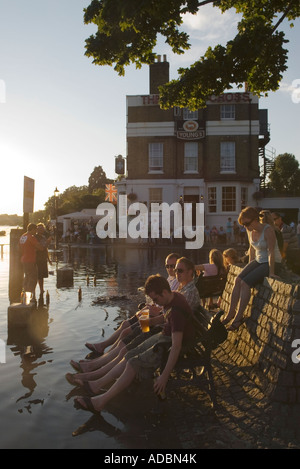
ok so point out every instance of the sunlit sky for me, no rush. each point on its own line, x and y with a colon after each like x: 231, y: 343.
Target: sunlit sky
x: 60, y: 115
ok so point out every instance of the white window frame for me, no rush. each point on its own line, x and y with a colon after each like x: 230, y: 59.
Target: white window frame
x: 226, y: 200
x: 227, y: 157
x: 156, y: 157
x: 191, y: 157
x: 244, y: 197
x: 212, y: 199
x: 227, y: 112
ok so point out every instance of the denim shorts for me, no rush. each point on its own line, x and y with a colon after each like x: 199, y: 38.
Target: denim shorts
x: 255, y: 272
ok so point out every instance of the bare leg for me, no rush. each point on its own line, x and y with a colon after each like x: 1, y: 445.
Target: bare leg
x: 111, y: 376
x: 93, y: 365
x: 101, y: 346
x: 95, y: 375
x: 235, y: 296
x: 125, y: 379
x: 245, y: 295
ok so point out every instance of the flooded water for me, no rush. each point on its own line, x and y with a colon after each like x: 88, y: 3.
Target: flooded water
x: 36, y: 402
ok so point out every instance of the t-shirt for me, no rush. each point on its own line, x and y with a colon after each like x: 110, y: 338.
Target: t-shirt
x: 28, y: 245
x: 289, y: 236
x: 177, y: 314
x: 210, y: 269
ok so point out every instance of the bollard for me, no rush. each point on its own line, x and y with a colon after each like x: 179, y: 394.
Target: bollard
x: 15, y: 267
x: 64, y: 277
x: 47, y: 298
x: 95, y: 280
x: 87, y: 280
x: 19, y: 314
x: 79, y: 294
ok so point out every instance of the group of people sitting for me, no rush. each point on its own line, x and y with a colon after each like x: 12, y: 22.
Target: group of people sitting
x: 171, y: 301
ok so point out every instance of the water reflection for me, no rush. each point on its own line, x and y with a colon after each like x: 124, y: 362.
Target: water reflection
x: 29, y: 343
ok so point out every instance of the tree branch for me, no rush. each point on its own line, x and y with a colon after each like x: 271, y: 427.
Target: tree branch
x: 282, y: 18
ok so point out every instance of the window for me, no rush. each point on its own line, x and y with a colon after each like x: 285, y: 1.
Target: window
x: 191, y: 157
x: 212, y: 199
x: 155, y: 195
x: 227, y: 111
x: 156, y: 157
x: 189, y: 115
x: 228, y: 199
x: 244, y: 197
x: 227, y: 163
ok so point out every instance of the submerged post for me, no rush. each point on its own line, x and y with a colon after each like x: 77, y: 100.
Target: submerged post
x: 15, y: 267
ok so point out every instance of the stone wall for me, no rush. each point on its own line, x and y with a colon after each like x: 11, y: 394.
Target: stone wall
x: 262, y: 346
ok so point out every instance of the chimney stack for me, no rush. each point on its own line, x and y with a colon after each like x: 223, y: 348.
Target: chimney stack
x: 159, y: 74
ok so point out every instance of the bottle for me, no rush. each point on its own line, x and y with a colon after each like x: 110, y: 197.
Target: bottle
x: 23, y: 298
x: 47, y: 298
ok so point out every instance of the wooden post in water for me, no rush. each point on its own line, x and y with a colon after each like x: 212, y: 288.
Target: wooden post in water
x: 15, y: 267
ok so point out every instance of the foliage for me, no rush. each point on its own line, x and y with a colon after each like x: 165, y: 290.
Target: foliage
x: 74, y: 199
x: 127, y: 34
x: 285, y: 176
x: 10, y: 220
x: 98, y: 179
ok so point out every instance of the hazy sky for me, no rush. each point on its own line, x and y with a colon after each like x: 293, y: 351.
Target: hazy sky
x: 60, y: 115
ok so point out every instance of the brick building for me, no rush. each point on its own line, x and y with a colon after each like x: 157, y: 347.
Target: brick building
x: 210, y: 155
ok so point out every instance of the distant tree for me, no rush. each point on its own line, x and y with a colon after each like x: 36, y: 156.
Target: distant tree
x: 285, y: 176
x: 127, y: 34
x: 98, y: 179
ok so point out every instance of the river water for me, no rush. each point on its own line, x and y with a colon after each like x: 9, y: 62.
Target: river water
x: 36, y: 402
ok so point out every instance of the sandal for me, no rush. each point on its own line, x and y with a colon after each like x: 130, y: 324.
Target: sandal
x: 86, y: 405
x: 236, y: 324
x: 87, y: 389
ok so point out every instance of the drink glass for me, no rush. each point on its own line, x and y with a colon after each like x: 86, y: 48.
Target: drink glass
x: 144, y: 321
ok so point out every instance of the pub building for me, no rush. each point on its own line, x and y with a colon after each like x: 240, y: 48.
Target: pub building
x: 210, y: 155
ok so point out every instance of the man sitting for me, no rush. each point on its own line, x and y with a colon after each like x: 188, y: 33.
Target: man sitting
x: 146, y: 358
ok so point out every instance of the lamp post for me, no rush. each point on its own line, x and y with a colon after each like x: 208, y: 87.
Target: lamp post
x: 56, y: 194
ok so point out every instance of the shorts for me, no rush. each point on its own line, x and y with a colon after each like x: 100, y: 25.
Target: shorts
x: 30, y: 276
x: 42, y: 268
x: 137, y: 336
x: 146, y: 358
x: 254, y: 272
x: 133, y: 320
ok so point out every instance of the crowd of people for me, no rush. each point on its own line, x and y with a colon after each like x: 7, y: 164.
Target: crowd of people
x: 233, y: 233
x: 171, y: 302
x: 81, y: 232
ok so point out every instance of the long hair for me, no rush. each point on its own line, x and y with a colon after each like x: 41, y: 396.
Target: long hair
x: 248, y: 212
x: 216, y: 257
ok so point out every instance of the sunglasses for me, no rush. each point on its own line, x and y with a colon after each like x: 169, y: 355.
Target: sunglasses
x: 179, y: 271
x: 170, y: 266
